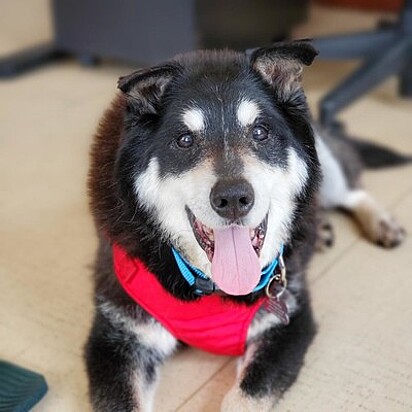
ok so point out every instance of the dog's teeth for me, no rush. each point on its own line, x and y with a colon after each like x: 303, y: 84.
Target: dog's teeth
x: 208, y: 232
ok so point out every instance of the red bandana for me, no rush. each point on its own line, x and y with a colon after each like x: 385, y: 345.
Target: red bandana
x: 210, y: 323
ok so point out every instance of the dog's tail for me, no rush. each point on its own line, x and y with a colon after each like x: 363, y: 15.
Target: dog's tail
x: 376, y: 156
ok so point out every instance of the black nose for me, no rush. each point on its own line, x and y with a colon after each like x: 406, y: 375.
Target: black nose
x: 232, y: 199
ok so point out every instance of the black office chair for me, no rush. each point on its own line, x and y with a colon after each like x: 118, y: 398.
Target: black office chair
x: 387, y: 50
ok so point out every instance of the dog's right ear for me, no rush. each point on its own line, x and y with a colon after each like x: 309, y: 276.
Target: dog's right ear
x: 144, y: 88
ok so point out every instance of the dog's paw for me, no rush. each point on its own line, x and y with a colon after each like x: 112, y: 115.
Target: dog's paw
x: 377, y: 224
x: 389, y: 233
x: 237, y: 401
x: 325, y: 235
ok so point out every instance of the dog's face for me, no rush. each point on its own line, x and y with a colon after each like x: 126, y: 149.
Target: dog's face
x: 218, y: 150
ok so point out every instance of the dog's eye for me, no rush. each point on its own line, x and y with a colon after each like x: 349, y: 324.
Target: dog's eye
x: 185, y: 141
x: 260, y: 133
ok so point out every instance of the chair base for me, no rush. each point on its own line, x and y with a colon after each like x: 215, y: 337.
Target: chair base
x: 387, y: 51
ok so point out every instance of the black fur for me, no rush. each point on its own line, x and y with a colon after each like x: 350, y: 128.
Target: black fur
x: 301, y: 51
x: 262, y: 377
x: 376, y: 156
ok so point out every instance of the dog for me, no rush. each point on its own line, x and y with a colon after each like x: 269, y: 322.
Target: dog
x: 207, y: 182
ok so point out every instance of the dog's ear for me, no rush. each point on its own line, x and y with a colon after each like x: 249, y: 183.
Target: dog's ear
x: 281, y: 65
x: 144, y: 88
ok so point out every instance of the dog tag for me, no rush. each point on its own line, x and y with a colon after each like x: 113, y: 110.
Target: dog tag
x: 277, y: 305
x: 277, y: 294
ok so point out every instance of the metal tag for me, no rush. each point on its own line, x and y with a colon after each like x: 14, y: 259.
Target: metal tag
x: 277, y: 306
x: 277, y: 294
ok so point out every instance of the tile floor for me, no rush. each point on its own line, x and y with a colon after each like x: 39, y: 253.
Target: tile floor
x: 361, y: 359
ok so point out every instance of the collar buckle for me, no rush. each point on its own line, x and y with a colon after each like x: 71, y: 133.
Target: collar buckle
x: 204, y: 287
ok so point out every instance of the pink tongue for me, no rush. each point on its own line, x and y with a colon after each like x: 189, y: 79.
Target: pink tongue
x: 235, y: 265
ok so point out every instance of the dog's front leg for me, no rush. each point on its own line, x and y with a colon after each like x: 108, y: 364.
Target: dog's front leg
x: 123, y: 356
x: 271, y: 364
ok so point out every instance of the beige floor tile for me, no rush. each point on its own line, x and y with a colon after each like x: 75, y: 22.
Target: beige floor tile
x: 361, y: 358
x: 403, y: 211
x: 66, y: 393
x: 210, y: 396
x: 391, y: 185
x: 185, y: 374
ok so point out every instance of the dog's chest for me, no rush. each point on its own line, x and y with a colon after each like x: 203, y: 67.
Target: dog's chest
x: 211, y: 323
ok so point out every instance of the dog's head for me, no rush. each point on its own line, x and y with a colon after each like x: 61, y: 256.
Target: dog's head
x: 218, y: 150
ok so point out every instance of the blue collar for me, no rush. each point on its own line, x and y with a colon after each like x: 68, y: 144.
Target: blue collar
x: 205, y: 286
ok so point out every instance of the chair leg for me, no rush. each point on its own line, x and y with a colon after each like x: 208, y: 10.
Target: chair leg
x: 24, y: 60
x: 368, y: 76
x: 358, y: 45
x: 405, y: 79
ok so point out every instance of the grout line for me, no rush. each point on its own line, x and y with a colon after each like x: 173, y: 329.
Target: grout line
x: 203, y: 385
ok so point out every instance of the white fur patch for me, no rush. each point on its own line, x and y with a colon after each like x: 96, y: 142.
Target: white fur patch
x: 238, y: 401
x: 247, y: 112
x: 357, y: 197
x: 194, y: 119
x: 154, y: 335
x: 151, y: 334
x: 334, y: 188
x: 144, y: 392
x: 169, y: 196
x: 275, y: 191
x: 261, y: 324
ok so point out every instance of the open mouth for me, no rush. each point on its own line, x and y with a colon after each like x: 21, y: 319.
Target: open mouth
x: 234, y: 254
x: 205, y: 236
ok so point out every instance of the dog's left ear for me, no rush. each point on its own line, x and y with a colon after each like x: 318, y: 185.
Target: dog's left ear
x: 281, y: 65
x: 145, y: 88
